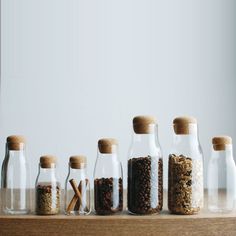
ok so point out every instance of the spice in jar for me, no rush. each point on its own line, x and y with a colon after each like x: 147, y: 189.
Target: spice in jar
x: 145, y: 180
x: 47, y: 199
x: 108, y: 194
x: 184, y: 191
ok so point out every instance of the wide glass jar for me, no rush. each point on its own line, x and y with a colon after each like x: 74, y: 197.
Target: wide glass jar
x: 185, y: 171
x: 108, y: 179
x: 221, y: 176
x: 77, y: 187
x: 145, y: 168
x: 15, y: 182
x: 47, y: 188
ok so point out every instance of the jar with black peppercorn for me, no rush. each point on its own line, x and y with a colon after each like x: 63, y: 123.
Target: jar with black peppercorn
x: 47, y: 188
x: 145, y: 168
x: 108, y: 179
x: 185, y: 171
x: 77, y: 187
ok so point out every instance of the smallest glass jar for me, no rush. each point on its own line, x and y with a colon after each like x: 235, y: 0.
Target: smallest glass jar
x: 47, y: 188
x: 77, y: 188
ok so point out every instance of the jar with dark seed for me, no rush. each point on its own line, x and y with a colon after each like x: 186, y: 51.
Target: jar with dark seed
x: 108, y: 179
x: 145, y: 168
x: 47, y: 188
x: 185, y: 172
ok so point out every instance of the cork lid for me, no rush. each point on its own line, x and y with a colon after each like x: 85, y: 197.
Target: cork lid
x: 182, y: 124
x: 106, y: 145
x: 47, y: 161
x: 15, y: 142
x: 141, y: 124
x: 78, y: 162
x: 220, y: 142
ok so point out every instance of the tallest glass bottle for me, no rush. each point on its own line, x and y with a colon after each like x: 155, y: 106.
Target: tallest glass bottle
x: 15, y: 177
x: 185, y: 180
x: 145, y: 180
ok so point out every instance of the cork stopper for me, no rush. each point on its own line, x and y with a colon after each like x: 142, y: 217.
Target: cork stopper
x: 78, y: 162
x: 106, y: 145
x: 182, y: 124
x: 141, y: 124
x: 15, y: 142
x: 48, y: 161
x: 220, y: 142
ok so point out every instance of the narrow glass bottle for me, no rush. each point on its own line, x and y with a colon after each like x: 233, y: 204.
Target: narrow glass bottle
x: 185, y: 172
x: 108, y: 179
x: 145, y: 168
x: 77, y: 188
x: 15, y: 180
x: 47, y: 188
x: 221, y: 176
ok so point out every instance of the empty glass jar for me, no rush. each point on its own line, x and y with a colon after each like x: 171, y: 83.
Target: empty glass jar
x: 47, y: 188
x: 145, y: 168
x: 185, y: 172
x: 108, y: 179
x: 221, y: 176
x: 77, y: 188
x: 15, y: 180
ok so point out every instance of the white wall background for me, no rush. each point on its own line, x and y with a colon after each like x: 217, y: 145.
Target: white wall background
x: 74, y: 71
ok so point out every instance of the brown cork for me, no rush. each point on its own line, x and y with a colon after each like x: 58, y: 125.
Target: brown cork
x: 48, y: 161
x: 182, y: 124
x: 220, y: 142
x: 107, y: 145
x: 15, y: 142
x: 141, y: 124
x: 78, y: 162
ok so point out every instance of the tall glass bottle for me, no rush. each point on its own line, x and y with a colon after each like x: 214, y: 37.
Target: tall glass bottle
x: 145, y: 168
x: 47, y: 188
x: 221, y: 176
x: 77, y: 187
x: 15, y: 180
x: 185, y: 172
x: 108, y: 179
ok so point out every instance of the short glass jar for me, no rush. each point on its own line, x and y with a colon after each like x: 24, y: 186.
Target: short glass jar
x: 77, y: 187
x: 108, y: 179
x: 221, y: 176
x: 47, y: 188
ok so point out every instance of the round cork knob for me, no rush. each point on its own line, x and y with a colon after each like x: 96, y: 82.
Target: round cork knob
x: 107, y: 145
x: 48, y: 161
x: 220, y: 142
x: 141, y: 124
x: 78, y: 162
x: 182, y: 124
x: 15, y: 142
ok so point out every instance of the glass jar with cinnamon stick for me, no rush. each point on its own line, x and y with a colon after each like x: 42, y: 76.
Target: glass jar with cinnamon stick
x: 47, y: 188
x: 77, y: 188
x: 108, y: 180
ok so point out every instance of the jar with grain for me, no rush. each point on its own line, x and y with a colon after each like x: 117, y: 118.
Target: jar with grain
x: 15, y: 182
x: 47, y: 188
x: 108, y: 179
x: 221, y: 176
x: 77, y: 187
x: 145, y: 168
x: 185, y: 170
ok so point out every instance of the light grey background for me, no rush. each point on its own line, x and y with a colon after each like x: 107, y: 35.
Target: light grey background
x: 75, y: 71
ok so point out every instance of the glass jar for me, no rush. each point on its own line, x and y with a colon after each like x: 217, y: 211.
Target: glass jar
x: 221, y: 176
x: 108, y: 179
x: 145, y: 168
x: 77, y: 188
x: 47, y: 188
x: 185, y: 172
x: 16, y: 197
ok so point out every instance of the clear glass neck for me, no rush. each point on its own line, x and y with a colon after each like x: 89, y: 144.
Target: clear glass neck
x: 227, y: 153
